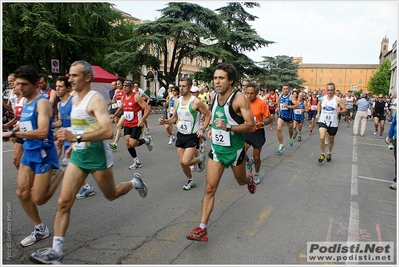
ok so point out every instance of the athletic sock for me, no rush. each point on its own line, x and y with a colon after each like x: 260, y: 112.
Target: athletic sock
x: 203, y: 226
x: 40, y: 226
x: 58, y: 244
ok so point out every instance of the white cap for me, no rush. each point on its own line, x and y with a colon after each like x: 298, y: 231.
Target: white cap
x: 194, y: 89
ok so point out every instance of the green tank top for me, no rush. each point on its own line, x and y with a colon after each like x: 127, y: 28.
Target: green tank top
x: 220, y: 142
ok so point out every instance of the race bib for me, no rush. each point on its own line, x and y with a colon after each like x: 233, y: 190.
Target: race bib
x: 114, y: 106
x: 220, y: 137
x: 119, y: 103
x: 271, y: 104
x: 282, y: 107
x: 25, y: 126
x: 298, y: 111
x: 184, y: 127
x: 313, y: 107
x: 129, y: 115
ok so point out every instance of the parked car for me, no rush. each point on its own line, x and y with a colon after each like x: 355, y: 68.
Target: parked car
x: 6, y: 93
x: 157, y: 101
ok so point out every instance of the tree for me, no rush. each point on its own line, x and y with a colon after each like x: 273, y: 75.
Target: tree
x: 379, y: 83
x: 278, y: 71
x: 240, y: 38
x: 173, y: 38
x: 34, y: 33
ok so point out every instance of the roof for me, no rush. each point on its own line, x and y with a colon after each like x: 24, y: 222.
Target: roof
x: 338, y: 66
x: 103, y: 76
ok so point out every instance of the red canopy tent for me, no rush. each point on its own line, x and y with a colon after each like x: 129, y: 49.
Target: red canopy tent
x: 102, y: 81
x: 103, y: 76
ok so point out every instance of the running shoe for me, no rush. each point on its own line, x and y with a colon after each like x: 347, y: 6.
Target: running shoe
x: 251, y: 185
x: 328, y: 158
x: 148, y: 142
x: 35, y: 236
x: 280, y: 149
x: 147, y: 131
x: 86, y: 191
x: 135, y: 165
x: 202, y: 147
x: 143, y: 187
x: 310, y: 132
x: 190, y: 184
x: 249, y: 164
x: 381, y: 136
x: 299, y: 138
x: 354, y: 134
x: 256, y: 178
x: 375, y: 132
x: 321, y: 158
x: 194, y: 168
x: 198, y: 234
x: 113, y: 145
x: 294, y: 135
x: 171, y: 140
x: 46, y: 256
x: 291, y: 142
x: 201, y: 164
x: 361, y: 135
x: 393, y: 186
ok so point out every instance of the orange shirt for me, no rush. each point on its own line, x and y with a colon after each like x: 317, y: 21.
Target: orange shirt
x: 260, y: 110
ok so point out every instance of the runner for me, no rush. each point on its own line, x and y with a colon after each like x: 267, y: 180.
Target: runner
x: 119, y: 93
x: 272, y: 102
x: 256, y: 139
x: 135, y: 110
x: 286, y: 104
x: 299, y: 117
x: 232, y: 116
x: 91, y: 127
x: 312, y: 111
x: 327, y: 115
x: 380, y: 111
x: 187, y: 116
x: 35, y: 186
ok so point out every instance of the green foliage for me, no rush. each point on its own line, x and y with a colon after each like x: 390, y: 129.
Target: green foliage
x: 278, y: 71
x: 379, y: 83
x: 34, y: 33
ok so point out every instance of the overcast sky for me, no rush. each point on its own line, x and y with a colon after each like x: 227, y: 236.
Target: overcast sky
x: 321, y: 32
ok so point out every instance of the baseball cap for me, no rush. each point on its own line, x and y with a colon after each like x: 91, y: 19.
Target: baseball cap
x: 171, y: 85
x: 194, y: 89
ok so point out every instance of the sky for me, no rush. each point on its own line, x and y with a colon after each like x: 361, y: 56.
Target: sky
x: 333, y: 32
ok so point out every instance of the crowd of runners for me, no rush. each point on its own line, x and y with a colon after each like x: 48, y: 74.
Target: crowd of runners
x: 234, y: 118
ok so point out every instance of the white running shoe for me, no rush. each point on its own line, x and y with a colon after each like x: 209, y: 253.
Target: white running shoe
x: 35, y: 236
x: 135, y: 165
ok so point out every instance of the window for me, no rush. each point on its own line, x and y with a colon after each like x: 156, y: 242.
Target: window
x: 311, y: 80
x: 321, y: 71
x: 330, y: 71
x: 303, y: 70
x: 311, y: 71
x: 350, y: 71
x: 372, y: 72
x: 330, y: 80
x: 321, y: 80
x: 361, y: 71
x: 340, y: 81
x: 350, y: 81
x: 340, y: 71
x: 360, y: 81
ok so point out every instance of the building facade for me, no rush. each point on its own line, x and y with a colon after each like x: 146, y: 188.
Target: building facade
x: 345, y: 76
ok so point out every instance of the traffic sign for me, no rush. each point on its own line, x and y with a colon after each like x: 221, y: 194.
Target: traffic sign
x: 55, y: 66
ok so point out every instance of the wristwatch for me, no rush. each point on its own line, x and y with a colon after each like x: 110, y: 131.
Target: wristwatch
x: 228, y: 127
x: 78, y: 138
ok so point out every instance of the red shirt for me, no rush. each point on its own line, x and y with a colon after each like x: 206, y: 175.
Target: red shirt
x: 132, y: 111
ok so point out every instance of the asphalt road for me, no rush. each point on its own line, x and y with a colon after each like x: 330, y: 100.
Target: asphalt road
x: 298, y: 201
